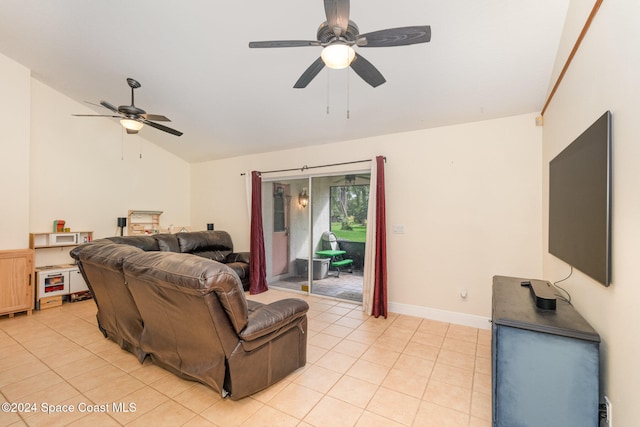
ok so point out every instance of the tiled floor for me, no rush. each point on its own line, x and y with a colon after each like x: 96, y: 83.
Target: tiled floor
x: 361, y: 371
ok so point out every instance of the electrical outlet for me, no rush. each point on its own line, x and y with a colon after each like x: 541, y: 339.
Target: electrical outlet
x: 609, y: 408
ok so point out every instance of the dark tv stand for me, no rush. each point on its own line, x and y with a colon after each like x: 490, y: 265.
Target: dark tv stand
x: 545, y: 363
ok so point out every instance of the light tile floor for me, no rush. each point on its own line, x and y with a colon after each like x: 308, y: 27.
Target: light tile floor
x: 361, y: 371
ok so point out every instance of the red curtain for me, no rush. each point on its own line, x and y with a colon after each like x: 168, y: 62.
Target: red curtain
x: 380, y: 285
x: 258, y: 272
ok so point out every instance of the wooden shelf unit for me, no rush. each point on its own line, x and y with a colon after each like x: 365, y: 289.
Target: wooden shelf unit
x: 142, y: 222
x: 56, y: 240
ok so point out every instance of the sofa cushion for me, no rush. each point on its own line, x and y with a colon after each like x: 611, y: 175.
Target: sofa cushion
x: 269, y: 318
x: 244, y: 257
x: 241, y: 269
x: 167, y: 242
x: 146, y: 243
x: 201, y: 241
x: 214, y: 255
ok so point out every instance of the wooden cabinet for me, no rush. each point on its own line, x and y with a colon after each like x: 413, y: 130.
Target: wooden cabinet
x: 545, y: 362
x: 16, y: 281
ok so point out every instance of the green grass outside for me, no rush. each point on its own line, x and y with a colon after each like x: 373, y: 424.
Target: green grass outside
x: 358, y: 234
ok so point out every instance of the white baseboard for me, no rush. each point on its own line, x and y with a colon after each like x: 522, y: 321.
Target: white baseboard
x: 441, y: 315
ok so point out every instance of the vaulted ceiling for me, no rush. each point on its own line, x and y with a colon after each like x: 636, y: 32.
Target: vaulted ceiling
x: 486, y: 59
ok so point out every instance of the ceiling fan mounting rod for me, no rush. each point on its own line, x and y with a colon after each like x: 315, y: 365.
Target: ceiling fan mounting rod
x: 133, y: 104
x: 133, y: 84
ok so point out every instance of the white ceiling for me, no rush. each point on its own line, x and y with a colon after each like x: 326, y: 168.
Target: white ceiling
x: 486, y: 59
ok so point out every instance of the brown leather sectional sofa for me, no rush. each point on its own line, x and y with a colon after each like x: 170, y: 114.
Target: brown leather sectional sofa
x: 216, y: 245
x: 189, y: 314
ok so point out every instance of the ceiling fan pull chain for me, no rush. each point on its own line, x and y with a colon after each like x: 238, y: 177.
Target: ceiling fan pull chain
x: 328, y: 88
x: 348, y: 89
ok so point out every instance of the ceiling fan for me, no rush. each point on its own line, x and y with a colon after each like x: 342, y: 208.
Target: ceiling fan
x: 350, y: 179
x: 338, y: 34
x: 131, y: 117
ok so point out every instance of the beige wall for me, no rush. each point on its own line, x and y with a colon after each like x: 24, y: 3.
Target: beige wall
x: 604, y: 76
x: 14, y: 154
x: 468, y: 196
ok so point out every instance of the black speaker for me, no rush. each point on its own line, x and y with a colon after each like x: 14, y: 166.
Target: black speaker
x: 209, y: 226
x: 122, y: 222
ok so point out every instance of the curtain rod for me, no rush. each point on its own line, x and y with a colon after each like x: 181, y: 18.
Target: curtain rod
x: 305, y: 167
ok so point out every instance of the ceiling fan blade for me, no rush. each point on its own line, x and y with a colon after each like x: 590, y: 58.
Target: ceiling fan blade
x: 337, y: 12
x: 284, y: 43
x: 367, y: 71
x: 111, y: 107
x: 161, y: 127
x: 155, y: 117
x: 93, y: 103
x: 309, y: 74
x: 397, y: 36
x: 96, y: 115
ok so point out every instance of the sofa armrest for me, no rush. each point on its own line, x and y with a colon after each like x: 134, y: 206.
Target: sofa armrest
x: 75, y: 252
x: 237, y: 257
x: 271, y: 317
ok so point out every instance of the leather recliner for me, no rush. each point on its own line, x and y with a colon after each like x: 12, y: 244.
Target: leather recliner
x: 191, y: 316
x: 199, y: 325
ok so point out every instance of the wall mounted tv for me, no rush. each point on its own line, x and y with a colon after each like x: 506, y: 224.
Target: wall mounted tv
x: 580, y: 202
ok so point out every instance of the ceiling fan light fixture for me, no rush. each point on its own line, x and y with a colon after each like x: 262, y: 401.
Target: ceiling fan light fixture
x: 338, y: 55
x: 131, y: 124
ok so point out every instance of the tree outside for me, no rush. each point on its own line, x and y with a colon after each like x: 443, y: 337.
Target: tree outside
x: 349, y: 205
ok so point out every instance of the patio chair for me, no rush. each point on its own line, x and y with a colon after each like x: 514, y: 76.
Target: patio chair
x: 331, y: 248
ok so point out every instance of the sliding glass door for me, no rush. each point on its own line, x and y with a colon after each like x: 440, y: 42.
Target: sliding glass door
x: 339, y: 213
x: 314, y: 230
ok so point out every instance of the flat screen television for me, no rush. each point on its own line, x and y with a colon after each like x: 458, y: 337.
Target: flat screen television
x: 580, y: 202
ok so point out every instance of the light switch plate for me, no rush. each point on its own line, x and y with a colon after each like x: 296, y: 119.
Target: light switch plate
x: 398, y: 229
